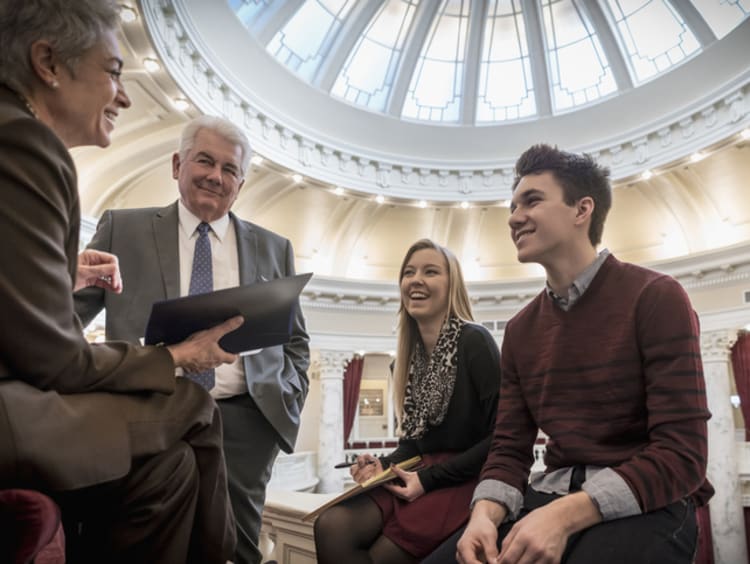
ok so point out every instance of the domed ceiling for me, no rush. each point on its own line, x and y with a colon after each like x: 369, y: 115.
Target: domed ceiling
x: 353, y: 179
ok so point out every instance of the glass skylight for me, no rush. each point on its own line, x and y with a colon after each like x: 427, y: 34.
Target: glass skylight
x: 408, y: 58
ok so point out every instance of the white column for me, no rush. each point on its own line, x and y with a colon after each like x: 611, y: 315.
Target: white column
x: 727, y: 519
x: 331, y: 426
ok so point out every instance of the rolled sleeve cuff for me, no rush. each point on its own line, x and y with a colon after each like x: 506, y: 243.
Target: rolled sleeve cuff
x: 500, y: 492
x: 611, y: 494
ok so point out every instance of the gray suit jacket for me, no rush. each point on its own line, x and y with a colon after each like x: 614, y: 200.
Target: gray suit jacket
x: 146, y: 243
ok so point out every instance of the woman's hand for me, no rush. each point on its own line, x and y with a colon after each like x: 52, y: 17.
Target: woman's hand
x: 412, y: 487
x: 97, y: 268
x: 365, y: 468
x: 201, y: 350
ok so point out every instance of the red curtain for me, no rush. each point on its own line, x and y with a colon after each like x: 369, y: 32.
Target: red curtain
x: 704, y: 552
x: 352, y: 379
x: 741, y: 367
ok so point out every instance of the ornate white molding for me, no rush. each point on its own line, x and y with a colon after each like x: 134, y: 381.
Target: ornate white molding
x: 715, y: 269
x: 352, y: 343
x: 216, y: 87
x: 728, y: 319
x: 658, y: 144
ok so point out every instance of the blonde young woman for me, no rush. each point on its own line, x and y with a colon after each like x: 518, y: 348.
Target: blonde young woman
x: 446, y: 379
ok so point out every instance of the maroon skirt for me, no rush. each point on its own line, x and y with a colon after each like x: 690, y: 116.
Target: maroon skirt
x: 418, y: 527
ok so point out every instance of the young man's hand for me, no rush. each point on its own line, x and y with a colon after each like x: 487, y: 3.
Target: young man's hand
x: 541, y: 536
x: 478, y: 544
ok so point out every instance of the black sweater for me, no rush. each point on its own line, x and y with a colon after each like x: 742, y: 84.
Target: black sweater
x: 467, y: 427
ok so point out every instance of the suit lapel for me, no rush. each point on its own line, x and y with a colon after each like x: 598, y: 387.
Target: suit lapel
x: 165, y: 224
x: 247, y: 250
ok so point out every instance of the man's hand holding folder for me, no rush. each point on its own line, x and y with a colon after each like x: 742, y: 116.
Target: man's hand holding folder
x: 268, y: 309
x: 201, y: 350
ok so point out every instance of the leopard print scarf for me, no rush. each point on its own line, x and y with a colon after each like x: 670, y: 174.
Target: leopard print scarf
x: 429, y: 387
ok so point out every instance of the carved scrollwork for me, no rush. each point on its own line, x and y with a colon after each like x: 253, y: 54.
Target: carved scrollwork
x: 332, y: 363
x: 716, y: 345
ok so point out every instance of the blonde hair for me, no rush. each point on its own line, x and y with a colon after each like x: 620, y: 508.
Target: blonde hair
x: 408, y: 332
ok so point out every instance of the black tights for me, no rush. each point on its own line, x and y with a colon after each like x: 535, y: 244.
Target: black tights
x: 352, y: 533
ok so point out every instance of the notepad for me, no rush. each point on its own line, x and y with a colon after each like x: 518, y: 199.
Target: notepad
x: 268, y: 308
x: 378, y: 479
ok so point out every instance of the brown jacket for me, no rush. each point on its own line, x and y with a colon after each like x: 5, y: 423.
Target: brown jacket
x: 61, y: 426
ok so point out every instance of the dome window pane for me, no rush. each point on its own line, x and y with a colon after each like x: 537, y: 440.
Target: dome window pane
x: 435, y: 90
x: 653, y: 35
x: 248, y: 10
x: 506, y: 90
x: 723, y: 16
x: 578, y: 69
x: 369, y: 72
x: 306, y: 39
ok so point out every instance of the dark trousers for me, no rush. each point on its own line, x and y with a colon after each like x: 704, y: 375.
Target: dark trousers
x: 172, y: 506
x: 250, y: 448
x: 147, y: 516
x: 665, y: 536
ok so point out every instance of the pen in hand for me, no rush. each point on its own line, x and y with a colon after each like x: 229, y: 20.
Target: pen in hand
x: 347, y: 464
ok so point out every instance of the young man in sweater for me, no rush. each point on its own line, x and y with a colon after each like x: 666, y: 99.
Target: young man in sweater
x: 606, y: 361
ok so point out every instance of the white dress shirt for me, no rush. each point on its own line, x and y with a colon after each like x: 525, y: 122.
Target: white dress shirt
x: 230, y: 378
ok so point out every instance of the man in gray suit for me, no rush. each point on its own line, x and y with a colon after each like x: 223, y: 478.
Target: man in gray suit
x: 260, y: 395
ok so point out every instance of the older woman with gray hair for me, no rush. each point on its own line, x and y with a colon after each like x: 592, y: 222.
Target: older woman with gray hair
x: 131, y: 453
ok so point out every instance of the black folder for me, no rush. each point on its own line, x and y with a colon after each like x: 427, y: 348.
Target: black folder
x: 268, y: 309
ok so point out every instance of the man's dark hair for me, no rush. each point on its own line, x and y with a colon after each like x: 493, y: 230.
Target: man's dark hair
x: 578, y: 175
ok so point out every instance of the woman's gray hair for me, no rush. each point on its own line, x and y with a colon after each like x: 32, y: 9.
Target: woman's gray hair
x: 71, y: 26
x: 222, y: 127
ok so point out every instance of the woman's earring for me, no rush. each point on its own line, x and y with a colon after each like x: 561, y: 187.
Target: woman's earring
x: 54, y: 84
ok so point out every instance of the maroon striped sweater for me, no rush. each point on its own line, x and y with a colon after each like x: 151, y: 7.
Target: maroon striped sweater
x: 616, y: 382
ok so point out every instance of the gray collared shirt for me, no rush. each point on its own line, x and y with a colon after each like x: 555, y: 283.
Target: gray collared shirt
x: 607, y: 489
x: 580, y: 284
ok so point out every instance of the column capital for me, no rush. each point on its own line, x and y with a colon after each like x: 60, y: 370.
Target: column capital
x: 332, y: 363
x: 716, y: 345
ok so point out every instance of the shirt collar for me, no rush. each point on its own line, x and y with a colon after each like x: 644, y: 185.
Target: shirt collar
x: 189, y: 222
x: 580, y: 284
